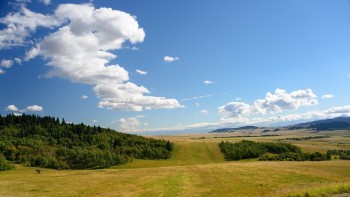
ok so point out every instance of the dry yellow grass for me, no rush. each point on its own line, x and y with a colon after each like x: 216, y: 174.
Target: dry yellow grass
x: 197, y: 168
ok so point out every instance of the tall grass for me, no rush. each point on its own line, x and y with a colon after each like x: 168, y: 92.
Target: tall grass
x: 323, y: 190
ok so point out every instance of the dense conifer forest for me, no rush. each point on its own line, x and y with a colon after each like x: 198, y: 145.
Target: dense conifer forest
x: 53, y: 143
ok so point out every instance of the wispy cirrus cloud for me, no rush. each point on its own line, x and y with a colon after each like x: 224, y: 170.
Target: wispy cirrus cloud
x: 204, y: 112
x: 18, y: 60
x: 197, y: 97
x: 84, y: 97
x: 207, y: 82
x: 327, y: 96
x: 141, y: 72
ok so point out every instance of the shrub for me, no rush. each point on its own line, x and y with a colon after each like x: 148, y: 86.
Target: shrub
x: 4, y: 164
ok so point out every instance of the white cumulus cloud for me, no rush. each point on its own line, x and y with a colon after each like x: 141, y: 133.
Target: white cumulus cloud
x: 20, y: 25
x: 35, y: 108
x: 344, y: 110
x: 11, y: 108
x: 129, y: 124
x: 81, y: 51
x: 169, y: 59
x: 6, y: 63
x: 272, y: 103
x: 262, y: 120
x: 32, y: 108
x: 32, y: 53
x: 235, y: 110
x: 281, y: 100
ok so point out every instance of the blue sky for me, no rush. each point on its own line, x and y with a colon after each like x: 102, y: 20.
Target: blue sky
x: 145, y: 66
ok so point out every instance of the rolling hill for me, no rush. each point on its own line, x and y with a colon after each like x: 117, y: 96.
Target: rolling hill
x: 51, y: 143
x: 339, y: 123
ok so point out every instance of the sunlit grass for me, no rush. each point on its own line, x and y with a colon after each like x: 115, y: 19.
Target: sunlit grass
x: 196, y: 168
x: 323, y: 190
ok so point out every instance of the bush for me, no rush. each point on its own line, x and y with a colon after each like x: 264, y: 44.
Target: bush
x: 242, y: 150
x: 4, y: 164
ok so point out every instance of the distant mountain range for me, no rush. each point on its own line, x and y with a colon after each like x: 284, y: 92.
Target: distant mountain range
x: 339, y: 123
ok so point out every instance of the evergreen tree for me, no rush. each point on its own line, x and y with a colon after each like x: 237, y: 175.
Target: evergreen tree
x: 45, y: 142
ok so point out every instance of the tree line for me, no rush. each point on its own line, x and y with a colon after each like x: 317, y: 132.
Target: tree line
x: 268, y: 151
x: 52, y: 143
x: 306, y: 138
x: 343, y: 154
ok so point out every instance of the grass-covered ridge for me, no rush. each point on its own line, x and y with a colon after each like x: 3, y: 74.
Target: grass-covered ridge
x: 53, y: 143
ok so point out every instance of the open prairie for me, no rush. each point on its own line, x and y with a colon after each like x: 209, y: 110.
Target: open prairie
x: 197, y: 168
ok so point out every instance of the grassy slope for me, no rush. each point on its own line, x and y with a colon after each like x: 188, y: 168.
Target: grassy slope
x: 197, y: 168
x: 185, y: 153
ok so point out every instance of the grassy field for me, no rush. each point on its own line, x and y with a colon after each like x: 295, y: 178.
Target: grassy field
x: 196, y: 168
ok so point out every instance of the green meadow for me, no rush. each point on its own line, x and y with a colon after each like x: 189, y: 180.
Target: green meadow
x: 196, y: 168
